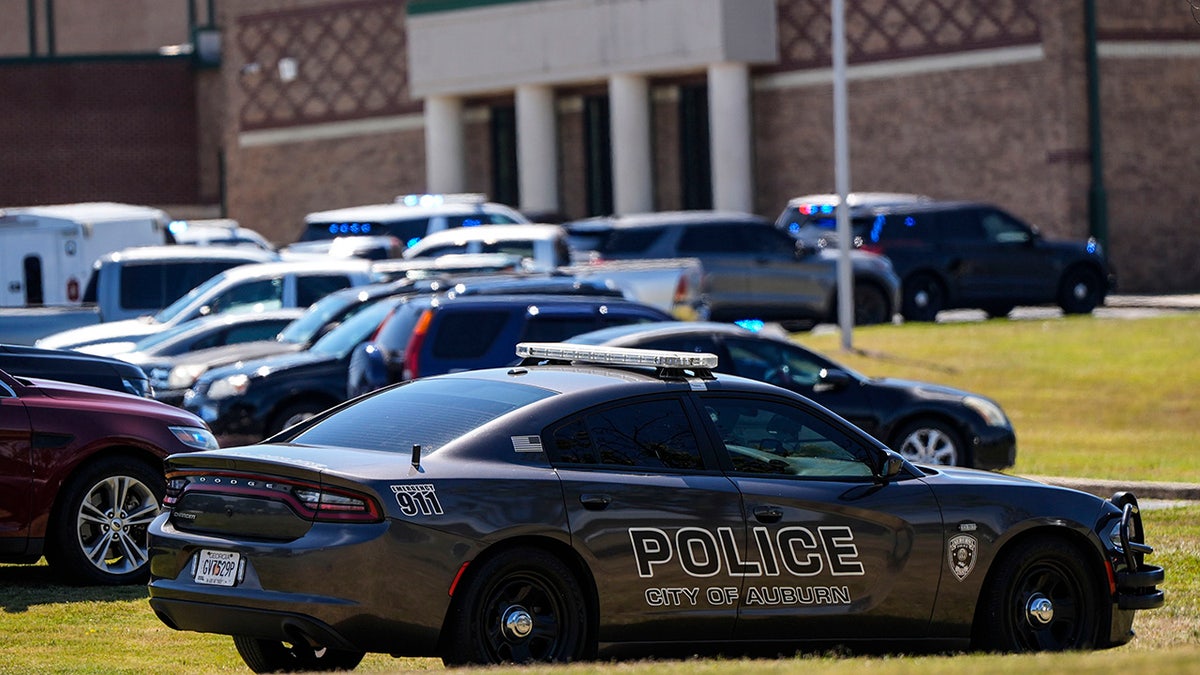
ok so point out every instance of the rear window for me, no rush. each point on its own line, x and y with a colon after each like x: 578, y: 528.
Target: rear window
x: 429, y: 413
x: 627, y: 241
x: 469, y: 334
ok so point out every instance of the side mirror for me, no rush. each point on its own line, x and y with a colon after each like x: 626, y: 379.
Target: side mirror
x: 832, y: 380
x: 891, y: 466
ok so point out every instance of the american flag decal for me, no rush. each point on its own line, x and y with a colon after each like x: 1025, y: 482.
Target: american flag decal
x: 527, y: 443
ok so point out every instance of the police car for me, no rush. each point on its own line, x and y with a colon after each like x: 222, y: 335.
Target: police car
x: 600, y: 501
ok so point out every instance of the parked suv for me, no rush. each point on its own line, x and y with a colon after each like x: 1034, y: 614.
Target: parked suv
x: 69, y: 366
x: 81, y: 475
x: 969, y: 254
x: 409, y: 218
x: 751, y: 269
x: 432, y: 335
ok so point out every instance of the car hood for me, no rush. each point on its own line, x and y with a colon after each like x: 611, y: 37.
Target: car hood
x: 112, y: 331
x: 924, y: 389
x: 219, y: 356
x: 128, y: 403
x: 271, y: 364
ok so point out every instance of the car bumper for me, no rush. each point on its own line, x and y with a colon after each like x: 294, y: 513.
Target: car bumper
x: 994, y: 448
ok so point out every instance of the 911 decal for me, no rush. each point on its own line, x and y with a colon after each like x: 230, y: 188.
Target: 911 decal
x: 417, y: 499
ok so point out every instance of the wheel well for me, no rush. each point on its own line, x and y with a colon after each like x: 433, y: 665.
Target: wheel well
x: 1068, y: 536
x: 862, y: 282
x: 558, y: 549
x: 119, y: 451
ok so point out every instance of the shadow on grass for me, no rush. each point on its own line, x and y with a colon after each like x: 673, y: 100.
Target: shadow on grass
x: 25, y: 586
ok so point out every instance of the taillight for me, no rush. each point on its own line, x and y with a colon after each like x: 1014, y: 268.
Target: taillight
x: 309, y: 500
x: 681, y: 291
x: 412, y: 353
x: 872, y: 248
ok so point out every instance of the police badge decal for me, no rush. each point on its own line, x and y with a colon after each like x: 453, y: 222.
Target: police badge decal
x: 962, y: 555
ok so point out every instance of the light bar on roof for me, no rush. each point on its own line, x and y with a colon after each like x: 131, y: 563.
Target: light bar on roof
x: 439, y: 199
x: 617, y: 356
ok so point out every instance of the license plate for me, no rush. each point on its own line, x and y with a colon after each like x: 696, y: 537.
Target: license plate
x: 217, y: 568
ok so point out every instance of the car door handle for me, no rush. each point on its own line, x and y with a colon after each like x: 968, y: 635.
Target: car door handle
x: 768, y: 514
x: 594, y: 502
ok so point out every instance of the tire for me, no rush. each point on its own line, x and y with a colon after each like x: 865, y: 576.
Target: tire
x: 1080, y: 291
x: 924, y: 296
x: 932, y: 442
x: 522, y: 606
x: 99, y: 529
x: 294, y: 413
x: 1041, y: 596
x: 871, y: 306
x: 273, y: 656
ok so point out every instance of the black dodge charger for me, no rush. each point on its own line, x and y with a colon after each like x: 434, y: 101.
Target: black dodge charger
x: 599, y: 501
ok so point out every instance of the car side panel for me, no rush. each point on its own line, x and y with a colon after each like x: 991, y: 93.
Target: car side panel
x: 16, y: 476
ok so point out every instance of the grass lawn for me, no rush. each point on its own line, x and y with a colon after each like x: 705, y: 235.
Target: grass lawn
x: 1089, y: 398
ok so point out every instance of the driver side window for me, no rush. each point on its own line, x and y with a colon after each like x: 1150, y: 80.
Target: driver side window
x: 774, y: 437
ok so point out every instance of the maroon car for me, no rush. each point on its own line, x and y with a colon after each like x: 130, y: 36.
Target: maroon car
x: 81, y: 475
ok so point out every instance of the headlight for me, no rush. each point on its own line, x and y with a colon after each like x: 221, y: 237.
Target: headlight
x: 990, y: 412
x: 182, y: 377
x: 233, y: 385
x: 195, y: 437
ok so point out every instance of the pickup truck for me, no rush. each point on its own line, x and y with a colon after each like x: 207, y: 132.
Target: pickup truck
x: 127, y: 284
x: 670, y: 284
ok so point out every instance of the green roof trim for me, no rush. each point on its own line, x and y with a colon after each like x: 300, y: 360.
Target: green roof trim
x: 434, y: 6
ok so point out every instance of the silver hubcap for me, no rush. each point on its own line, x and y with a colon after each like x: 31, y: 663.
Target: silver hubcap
x: 929, y: 446
x: 1081, y: 291
x: 112, y: 521
x: 517, y: 622
x: 921, y: 298
x: 1039, y: 611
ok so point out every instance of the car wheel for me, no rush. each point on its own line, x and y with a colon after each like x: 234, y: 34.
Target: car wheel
x: 870, y: 305
x: 273, y: 656
x: 931, y: 442
x: 1042, y: 596
x: 100, y: 525
x: 293, y: 415
x: 924, y: 297
x: 522, y: 606
x: 1080, y: 291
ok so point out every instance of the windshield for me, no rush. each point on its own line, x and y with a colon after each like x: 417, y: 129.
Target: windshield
x: 339, y: 341
x: 163, y: 336
x: 303, y: 330
x: 429, y: 413
x: 176, y: 308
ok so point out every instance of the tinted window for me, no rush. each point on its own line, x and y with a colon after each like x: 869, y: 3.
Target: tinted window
x: 416, y: 414
x: 999, y: 228
x: 892, y: 228
x: 251, y: 296
x: 778, y: 438
x: 629, y: 241
x: 467, y: 334
x: 153, y: 286
x: 644, y: 434
x: 772, y: 362
x: 310, y: 289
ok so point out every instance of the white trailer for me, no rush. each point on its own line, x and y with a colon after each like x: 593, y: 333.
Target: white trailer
x: 47, y: 252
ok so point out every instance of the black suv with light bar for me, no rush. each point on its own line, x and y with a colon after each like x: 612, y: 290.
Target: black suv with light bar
x: 600, y: 501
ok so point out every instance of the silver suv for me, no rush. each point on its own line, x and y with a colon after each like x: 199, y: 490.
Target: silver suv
x: 751, y: 269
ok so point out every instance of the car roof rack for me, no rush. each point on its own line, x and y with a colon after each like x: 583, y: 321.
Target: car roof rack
x: 669, y: 364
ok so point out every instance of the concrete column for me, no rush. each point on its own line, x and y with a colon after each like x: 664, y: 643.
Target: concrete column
x: 730, y: 137
x: 537, y: 149
x: 445, y: 161
x: 632, y: 161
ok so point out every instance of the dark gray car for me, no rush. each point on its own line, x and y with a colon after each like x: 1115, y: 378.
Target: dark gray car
x: 751, y: 269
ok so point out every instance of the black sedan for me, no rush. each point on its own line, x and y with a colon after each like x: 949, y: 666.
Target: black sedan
x: 595, y: 501
x: 926, y: 423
